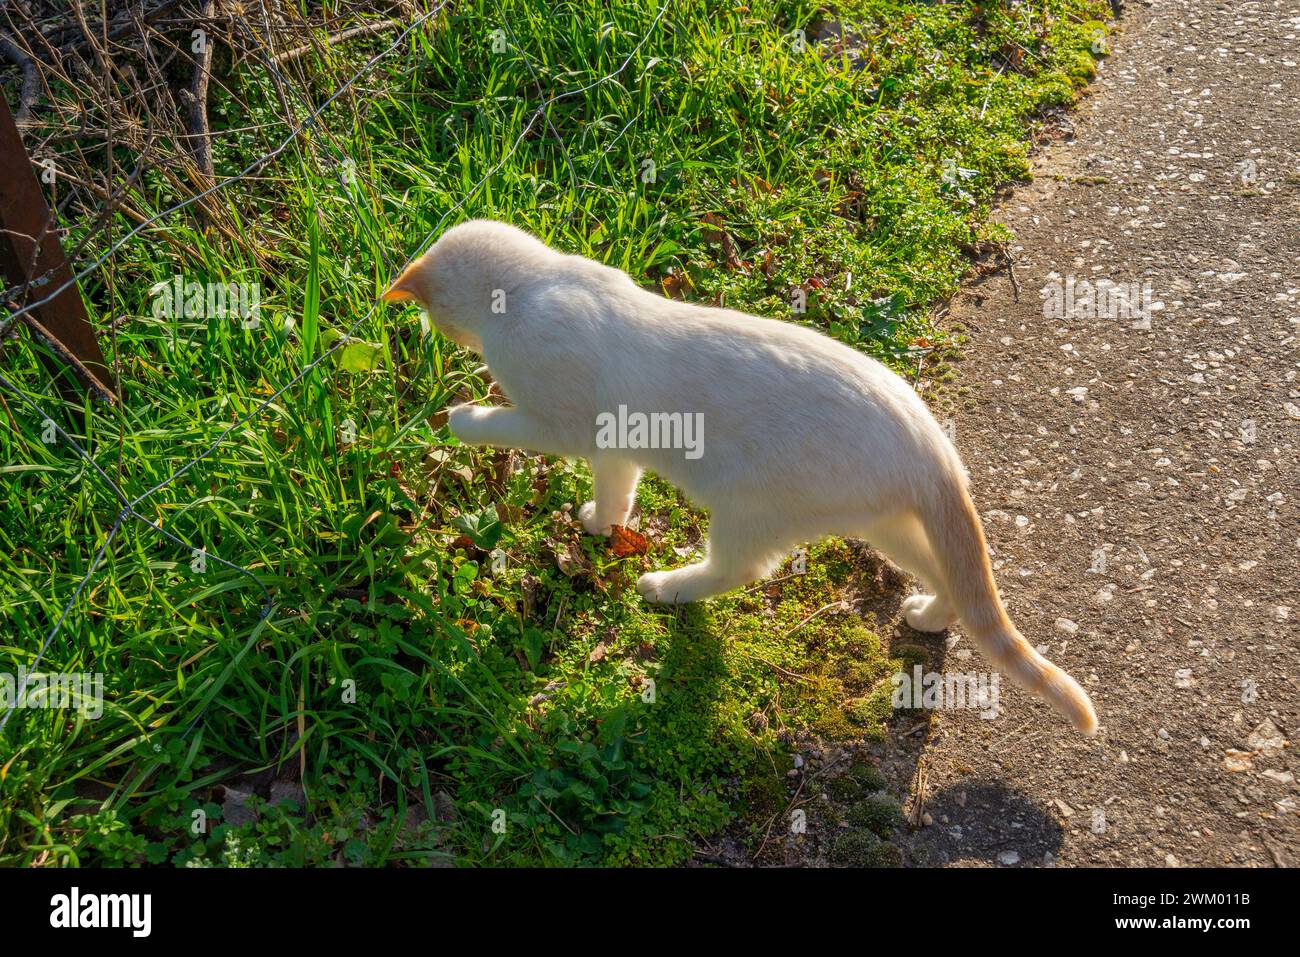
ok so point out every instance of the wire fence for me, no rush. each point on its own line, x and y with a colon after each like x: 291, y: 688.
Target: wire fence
x: 265, y: 55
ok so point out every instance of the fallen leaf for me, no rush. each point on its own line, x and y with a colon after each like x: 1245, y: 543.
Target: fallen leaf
x: 234, y: 809
x: 719, y: 235
x: 713, y: 235
x: 570, y: 560
x: 624, y: 542
x: 675, y: 285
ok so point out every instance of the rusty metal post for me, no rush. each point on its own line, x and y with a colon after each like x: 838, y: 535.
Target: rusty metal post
x: 30, y: 248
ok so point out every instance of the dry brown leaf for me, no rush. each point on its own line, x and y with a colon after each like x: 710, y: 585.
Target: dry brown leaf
x: 570, y: 560
x: 675, y: 285
x: 624, y: 542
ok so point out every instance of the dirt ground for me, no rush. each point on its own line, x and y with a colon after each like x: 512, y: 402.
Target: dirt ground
x: 1139, y: 485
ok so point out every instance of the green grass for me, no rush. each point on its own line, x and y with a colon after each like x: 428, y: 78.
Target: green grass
x: 409, y: 702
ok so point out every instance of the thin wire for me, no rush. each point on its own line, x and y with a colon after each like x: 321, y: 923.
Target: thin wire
x: 99, y: 556
x: 420, y: 249
x: 256, y: 165
x: 573, y: 173
x: 126, y: 512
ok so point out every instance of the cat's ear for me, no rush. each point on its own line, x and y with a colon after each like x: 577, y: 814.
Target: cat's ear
x: 402, y: 289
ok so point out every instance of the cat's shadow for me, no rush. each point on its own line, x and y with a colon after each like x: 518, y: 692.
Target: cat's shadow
x: 979, y: 820
x: 985, y: 821
x: 974, y: 821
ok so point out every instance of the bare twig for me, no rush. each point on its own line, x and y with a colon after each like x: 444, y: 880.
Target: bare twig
x: 198, y: 123
x: 122, y: 26
x: 839, y: 605
x: 363, y: 30
x: 29, y: 93
x: 1011, y: 271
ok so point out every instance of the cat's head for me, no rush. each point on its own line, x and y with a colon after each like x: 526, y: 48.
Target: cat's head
x: 463, y: 280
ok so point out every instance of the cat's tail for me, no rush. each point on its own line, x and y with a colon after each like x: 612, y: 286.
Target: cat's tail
x: 957, y: 539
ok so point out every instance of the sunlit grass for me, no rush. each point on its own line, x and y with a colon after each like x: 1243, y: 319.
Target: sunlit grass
x: 399, y: 674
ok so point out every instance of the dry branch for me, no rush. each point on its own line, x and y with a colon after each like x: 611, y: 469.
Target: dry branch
x: 200, y: 135
x: 106, y: 84
x: 30, y: 91
x: 364, y: 30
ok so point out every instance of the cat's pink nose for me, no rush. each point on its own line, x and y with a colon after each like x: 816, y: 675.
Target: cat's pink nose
x: 396, y: 293
x: 404, y: 286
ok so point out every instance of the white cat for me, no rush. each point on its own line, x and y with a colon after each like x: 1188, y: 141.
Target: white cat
x: 798, y: 436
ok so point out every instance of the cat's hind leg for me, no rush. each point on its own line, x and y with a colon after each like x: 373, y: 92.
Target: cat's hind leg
x: 739, y: 551
x: 902, y: 539
x: 613, y: 496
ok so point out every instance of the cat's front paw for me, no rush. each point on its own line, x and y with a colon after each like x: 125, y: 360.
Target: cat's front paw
x: 587, y: 515
x: 650, y: 587
x: 464, y: 419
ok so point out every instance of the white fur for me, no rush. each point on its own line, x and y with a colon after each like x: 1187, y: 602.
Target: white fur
x: 803, y: 437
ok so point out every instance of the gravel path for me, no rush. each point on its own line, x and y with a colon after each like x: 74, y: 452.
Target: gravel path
x: 1139, y: 485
